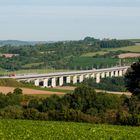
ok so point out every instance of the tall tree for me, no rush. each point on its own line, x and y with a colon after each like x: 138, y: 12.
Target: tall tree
x: 132, y: 79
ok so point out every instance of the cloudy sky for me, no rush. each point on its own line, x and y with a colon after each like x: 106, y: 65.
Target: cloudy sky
x: 69, y: 19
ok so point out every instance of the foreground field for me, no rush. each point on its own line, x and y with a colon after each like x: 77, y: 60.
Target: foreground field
x: 41, y: 130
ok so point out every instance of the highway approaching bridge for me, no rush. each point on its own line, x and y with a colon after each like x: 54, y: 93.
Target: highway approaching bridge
x: 61, y: 78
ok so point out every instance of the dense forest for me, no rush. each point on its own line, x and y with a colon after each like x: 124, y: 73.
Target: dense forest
x: 58, y: 55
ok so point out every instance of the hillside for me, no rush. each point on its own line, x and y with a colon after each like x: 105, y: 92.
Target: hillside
x: 40, y: 130
x: 72, y: 55
x: 135, y: 40
x: 19, y: 43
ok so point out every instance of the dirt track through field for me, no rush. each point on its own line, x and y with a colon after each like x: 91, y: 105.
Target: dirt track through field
x: 28, y: 91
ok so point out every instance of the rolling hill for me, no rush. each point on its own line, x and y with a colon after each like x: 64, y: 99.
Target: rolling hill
x: 19, y: 43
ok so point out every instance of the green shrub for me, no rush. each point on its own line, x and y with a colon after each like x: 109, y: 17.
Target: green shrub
x: 12, y: 112
x: 31, y: 114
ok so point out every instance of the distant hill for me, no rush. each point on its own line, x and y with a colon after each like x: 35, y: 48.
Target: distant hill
x: 135, y: 40
x: 19, y: 43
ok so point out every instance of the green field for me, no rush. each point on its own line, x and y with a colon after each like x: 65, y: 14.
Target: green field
x: 52, y: 89
x: 41, y: 130
x: 95, y: 53
x: 89, y: 62
x: 134, y: 49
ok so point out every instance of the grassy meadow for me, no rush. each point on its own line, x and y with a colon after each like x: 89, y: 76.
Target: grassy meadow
x: 41, y: 130
x: 52, y: 89
x: 88, y: 62
x: 133, y: 49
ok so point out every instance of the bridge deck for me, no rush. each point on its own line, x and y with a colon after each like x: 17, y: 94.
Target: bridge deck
x: 66, y: 73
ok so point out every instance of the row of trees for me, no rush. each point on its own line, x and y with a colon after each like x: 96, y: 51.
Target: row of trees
x: 115, y: 43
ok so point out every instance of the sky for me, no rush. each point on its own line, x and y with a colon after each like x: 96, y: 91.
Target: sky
x: 53, y: 20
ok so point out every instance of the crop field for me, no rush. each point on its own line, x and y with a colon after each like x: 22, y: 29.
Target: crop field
x: 135, y: 48
x: 41, y: 130
x: 96, y: 53
x: 89, y: 62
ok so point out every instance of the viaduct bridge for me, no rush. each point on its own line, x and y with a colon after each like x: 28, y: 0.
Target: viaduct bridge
x: 61, y: 78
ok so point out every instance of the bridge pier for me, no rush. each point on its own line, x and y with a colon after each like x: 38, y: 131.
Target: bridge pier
x: 87, y: 76
x: 74, y: 79
x: 68, y: 81
x: 107, y: 74
x: 36, y: 82
x: 93, y: 75
x: 98, y: 79
x: 120, y: 73
x: 116, y: 74
x: 81, y: 78
x: 61, y: 81
x: 53, y: 82
x: 45, y: 82
x: 112, y: 73
x: 103, y: 75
